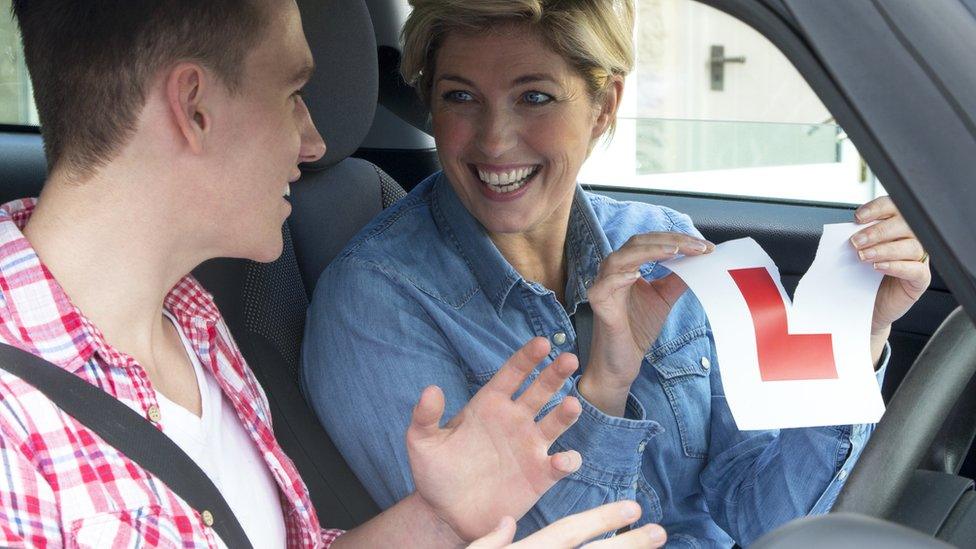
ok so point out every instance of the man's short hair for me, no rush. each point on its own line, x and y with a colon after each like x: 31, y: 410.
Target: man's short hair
x: 91, y: 62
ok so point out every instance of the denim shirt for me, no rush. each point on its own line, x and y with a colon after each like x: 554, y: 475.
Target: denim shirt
x: 421, y: 296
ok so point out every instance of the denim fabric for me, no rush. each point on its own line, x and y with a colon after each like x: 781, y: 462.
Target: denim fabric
x: 422, y: 296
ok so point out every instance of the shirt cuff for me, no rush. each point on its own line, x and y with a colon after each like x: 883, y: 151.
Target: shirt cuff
x: 612, y: 447
x: 883, y: 363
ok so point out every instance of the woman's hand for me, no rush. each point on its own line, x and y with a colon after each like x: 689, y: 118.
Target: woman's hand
x: 492, y: 459
x: 891, y: 247
x: 628, y: 313
x: 576, y: 529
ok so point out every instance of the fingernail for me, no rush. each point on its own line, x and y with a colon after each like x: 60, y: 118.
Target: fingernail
x: 867, y: 254
x: 883, y: 266
x: 502, y: 524
x: 859, y: 240
x: 656, y: 533
x: 636, y: 274
x: 861, y: 215
x: 700, y: 246
x: 631, y: 511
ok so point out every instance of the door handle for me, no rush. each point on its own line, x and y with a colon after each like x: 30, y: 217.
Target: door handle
x: 716, y: 64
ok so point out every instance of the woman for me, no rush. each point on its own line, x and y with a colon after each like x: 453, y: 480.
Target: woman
x: 504, y: 246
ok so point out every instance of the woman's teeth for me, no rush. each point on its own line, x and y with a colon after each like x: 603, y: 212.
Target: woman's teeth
x: 506, y: 182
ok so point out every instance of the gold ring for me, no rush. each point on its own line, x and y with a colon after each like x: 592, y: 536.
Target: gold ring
x: 924, y: 258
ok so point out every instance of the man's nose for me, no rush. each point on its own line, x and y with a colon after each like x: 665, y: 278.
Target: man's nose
x: 313, y: 146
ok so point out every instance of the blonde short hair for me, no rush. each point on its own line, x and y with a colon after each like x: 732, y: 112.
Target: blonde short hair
x: 594, y: 36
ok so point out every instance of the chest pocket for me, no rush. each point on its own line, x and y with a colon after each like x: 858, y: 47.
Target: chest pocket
x: 683, y: 369
x: 144, y: 526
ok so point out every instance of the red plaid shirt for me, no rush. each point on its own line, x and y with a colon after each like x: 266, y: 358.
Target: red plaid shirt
x: 60, y: 484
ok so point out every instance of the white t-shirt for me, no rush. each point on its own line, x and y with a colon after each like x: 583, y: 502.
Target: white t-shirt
x: 220, y: 445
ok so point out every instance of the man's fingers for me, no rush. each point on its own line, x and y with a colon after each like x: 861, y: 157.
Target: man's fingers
x: 576, y: 529
x: 427, y: 413
x: 518, y: 367
x: 501, y: 536
x: 549, y: 382
x: 559, y: 419
x: 645, y: 537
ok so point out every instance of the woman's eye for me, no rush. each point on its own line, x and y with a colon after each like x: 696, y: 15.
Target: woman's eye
x: 458, y: 96
x: 536, y: 98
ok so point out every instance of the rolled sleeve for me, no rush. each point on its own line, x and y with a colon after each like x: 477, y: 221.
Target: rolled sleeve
x: 611, y: 447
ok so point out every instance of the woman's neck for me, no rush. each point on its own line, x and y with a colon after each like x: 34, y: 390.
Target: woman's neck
x: 538, y: 255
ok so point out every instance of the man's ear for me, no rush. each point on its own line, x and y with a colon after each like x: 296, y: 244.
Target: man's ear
x: 185, y: 92
x: 609, y: 106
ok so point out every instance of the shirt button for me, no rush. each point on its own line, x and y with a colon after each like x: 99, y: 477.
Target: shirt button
x: 588, y: 282
x: 559, y: 338
x: 706, y: 364
x: 207, y: 517
x: 154, y: 415
x: 641, y: 446
x: 843, y: 474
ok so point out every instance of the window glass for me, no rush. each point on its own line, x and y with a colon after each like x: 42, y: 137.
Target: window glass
x: 16, y: 97
x: 712, y: 106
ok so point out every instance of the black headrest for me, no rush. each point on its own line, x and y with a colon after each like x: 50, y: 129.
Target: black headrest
x: 342, y: 94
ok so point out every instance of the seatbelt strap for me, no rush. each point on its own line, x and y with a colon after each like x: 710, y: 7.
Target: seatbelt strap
x: 583, y: 323
x: 131, y: 434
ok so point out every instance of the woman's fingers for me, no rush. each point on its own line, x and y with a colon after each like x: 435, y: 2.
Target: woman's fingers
x: 518, y: 367
x: 645, y: 537
x: 549, y: 381
x: 891, y: 229
x: 559, y: 419
x: 581, y: 527
x: 565, y: 463
x: 915, y: 273
x: 501, y: 536
x: 906, y: 249
x: 879, y: 208
x: 644, y: 248
x: 426, y: 418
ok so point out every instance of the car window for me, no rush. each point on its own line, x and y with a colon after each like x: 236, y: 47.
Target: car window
x: 16, y: 96
x: 713, y: 107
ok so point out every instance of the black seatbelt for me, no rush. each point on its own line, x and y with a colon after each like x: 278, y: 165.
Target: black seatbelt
x: 583, y: 323
x: 131, y: 434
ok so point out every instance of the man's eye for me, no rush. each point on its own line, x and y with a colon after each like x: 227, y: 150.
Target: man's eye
x: 458, y: 96
x: 536, y: 98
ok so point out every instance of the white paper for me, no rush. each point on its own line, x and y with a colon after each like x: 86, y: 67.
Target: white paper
x: 836, y: 297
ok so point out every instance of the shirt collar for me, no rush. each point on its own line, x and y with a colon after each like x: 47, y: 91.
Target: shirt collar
x: 43, y: 318
x: 586, y: 245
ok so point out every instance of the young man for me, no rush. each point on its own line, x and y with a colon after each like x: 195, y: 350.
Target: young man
x: 172, y: 129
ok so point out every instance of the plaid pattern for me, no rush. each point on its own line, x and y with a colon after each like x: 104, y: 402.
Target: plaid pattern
x: 60, y: 484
